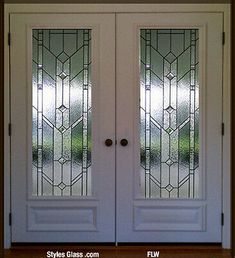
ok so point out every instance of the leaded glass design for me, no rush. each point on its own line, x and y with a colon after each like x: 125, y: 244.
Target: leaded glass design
x: 169, y: 113
x: 61, y: 112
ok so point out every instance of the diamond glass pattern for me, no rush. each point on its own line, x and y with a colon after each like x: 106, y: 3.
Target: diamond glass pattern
x: 170, y: 76
x: 61, y: 126
x: 63, y: 57
x: 63, y: 75
x: 170, y: 57
x: 170, y: 109
x: 169, y: 113
x: 62, y: 108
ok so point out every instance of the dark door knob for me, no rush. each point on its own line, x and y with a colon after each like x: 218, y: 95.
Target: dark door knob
x: 108, y: 142
x: 124, y: 142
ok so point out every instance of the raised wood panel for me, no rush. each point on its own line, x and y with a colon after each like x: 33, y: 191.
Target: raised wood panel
x: 170, y: 218
x: 62, y: 218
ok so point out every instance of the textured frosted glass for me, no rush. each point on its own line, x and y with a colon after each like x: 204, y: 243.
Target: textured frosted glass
x: 61, y: 122
x: 169, y: 113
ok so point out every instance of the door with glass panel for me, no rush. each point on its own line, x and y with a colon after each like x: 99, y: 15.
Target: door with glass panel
x: 169, y: 112
x: 161, y: 181
x: 62, y: 111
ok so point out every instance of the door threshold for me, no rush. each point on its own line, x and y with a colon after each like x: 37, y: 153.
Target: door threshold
x: 169, y: 244
x: 121, y: 245
x: 60, y: 245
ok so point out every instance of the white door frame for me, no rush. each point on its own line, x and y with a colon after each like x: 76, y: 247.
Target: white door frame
x: 225, y: 9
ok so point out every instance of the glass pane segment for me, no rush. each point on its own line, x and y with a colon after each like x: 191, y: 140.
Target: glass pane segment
x: 169, y: 113
x: 61, y: 112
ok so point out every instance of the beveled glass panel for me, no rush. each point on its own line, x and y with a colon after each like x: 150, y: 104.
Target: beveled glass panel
x: 61, y: 122
x: 169, y: 113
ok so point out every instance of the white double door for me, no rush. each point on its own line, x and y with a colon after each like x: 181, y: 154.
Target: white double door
x: 152, y: 79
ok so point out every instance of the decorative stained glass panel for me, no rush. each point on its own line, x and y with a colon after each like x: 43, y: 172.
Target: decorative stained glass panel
x: 61, y: 112
x: 169, y: 113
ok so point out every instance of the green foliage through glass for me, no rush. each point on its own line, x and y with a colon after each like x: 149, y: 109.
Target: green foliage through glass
x: 169, y: 113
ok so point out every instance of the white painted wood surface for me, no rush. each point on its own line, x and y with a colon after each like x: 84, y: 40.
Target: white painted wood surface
x: 62, y: 219
x: 132, y: 208
x: 223, y: 9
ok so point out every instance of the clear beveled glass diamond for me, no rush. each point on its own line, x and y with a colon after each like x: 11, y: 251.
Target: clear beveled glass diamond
x: 62, y: 129
x: 62, y: 160
x: 170, y: 109
x: 61, y: 185
x: 170, y: 57
x: 169, y: 162
x: 169, y: 130
x: 63, y: 57
x: 63, y: 75
x: 170, y: 76
x: 62, y: 108
x: 169, y: 188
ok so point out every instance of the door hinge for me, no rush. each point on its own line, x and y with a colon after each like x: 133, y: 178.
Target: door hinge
x: 9, y: 39
x: 10, y: 219
x: 222, y: 129
x: 223, y: 38
x: 222, y: 219
x: 9, y: 129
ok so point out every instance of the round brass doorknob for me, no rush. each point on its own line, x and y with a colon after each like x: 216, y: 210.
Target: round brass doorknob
x: 108, y: 142
x: 124, y: 142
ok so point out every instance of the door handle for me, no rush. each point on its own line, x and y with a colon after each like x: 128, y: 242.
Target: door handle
x: 108, y: 142
x: 124, y: 142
